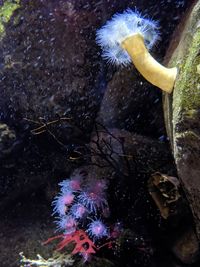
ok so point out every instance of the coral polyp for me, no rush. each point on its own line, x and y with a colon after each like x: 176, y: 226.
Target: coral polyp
x: 120, y: 27
x: 92, y: 201
x: 97, y: 229
x: 78, y: 211
x: 98, y: 186
x: 67, y: 223
x: 62, y: 201
x: 72, y: 185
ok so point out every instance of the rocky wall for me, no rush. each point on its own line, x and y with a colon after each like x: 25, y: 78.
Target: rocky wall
x: 182, y: 107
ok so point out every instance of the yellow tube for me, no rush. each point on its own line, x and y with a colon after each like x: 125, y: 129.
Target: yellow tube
x: 152, y: 71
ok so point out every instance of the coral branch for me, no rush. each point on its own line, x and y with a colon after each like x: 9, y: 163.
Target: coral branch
x: 82, y: 242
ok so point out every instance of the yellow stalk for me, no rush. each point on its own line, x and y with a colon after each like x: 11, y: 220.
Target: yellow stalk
x: 152, y: 71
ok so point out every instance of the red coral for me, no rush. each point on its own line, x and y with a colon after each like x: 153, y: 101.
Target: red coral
x: 83, y: 244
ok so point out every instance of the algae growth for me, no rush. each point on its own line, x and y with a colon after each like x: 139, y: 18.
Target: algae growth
x: 186, y: 94
x: 188, y: 82
x: 6, y: 11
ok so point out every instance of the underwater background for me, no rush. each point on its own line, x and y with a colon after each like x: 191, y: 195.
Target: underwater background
x: 65, y: 112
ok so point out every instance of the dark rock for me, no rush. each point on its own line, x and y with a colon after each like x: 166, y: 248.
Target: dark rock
x: 125, y: 102
x: 29, y: 168
x: 186, y: 247
x: 127, y: 154
x: 7, y: 140
x: 49, y: 73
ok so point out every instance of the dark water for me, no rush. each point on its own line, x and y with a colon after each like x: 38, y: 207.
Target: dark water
x: 54, y: 87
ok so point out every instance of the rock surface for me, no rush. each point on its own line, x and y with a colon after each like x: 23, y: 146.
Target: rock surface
x: 118, y: 151
x: 182, y: 108
x: 186, y: 246
x: 125, y: 100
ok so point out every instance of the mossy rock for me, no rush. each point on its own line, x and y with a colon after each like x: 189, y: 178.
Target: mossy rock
x: 182, y: 108
x: 6, y: 11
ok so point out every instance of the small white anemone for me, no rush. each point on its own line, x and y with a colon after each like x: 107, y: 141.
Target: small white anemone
x: 127, y: 38
x: 120, y: 27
